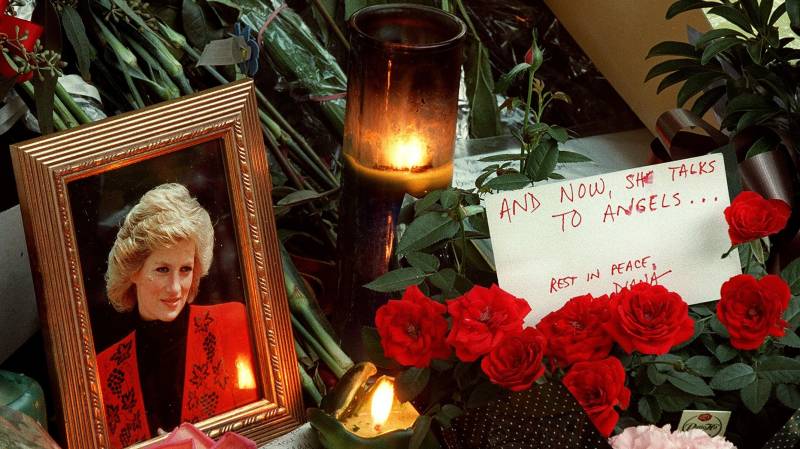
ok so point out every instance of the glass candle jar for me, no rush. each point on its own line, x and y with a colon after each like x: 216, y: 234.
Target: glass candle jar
x: 399, y: 137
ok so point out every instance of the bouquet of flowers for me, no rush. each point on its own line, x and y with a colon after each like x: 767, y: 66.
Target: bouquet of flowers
x: 640, y: 351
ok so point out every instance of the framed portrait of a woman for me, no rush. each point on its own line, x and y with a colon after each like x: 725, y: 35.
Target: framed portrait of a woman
x: 159, y: 281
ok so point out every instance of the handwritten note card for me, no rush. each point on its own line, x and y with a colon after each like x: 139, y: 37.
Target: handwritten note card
x: 661, y: 224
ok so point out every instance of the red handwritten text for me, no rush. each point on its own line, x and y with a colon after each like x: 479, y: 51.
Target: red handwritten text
x: 692, y: 169
x: 650, y: 203
x: 557, y: 284
x: 528, y: 203
x: 640, y: 179
x: 630, y: 265
x: 591, y: 189
x: 575, y: 218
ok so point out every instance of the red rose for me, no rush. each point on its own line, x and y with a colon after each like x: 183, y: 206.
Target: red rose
x: 751, y: 217
x: 483, y: 317
x: 529, y: 56
x: 752, y: 309
x: 413, y: 329
x: 516, y: 362
x: 599, y: 387
x: 649, y: 319
x: 575, y: 331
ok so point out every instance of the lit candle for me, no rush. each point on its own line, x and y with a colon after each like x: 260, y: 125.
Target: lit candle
x: 402, y: 98
x: 381, y: 412
x: 368, y: 416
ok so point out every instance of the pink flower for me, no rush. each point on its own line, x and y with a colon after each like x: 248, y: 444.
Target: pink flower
x: 652, y: 437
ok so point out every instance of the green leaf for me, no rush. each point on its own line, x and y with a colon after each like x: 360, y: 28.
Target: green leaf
x: 749, y: 102
x: 733, y: 377
x: 765, y: 9
x: 793, y: 9
x: 689, y: 383
x: 555, y: 175
x: 426, y: 230
x: 483, y: 115
x: 762, y: 145
x: 507, y: 79
x: 422, y: 426
x: 672, y: 48
x: 298, y: 197
x: 566, y: 157
x: 425, y: 262
x: 427, y: 202
x: 718, y: 46
x: 672, y: 399
x: 469, y: 211
x: 76, y: 34
x: 780, y: 369
x: 789, y: 395
x: 509, y: 181
x: 450, y: 283
x: 695, y: 84
x: 752, y: 13
x: 558, y: 133
x: 719, y: 328
x: 754, y: 49
x: 687, y: 5
x: 397, y: 280
x: 732, y: 15
x: 447, y: 414
x: 758, y: 251
x: 194, y: 24
x: 791, y: 274
x: 542, y: 160
x: 790, y: 339
x: 711, y: 35
x: 649, y: 409
x: 756, y: 394
x: 656, y: 377
x: 792, y: 313
x: 483, y: 394
x: 777, y: 14
x: 678, y: 76
x: 450, y: 198
x: 670, y: 66
x: 374, y: 350
x: 708, y: 100
x: 411, y: 382
x: 502, y: 158
x: 702, y: 365
x: 725, y: 353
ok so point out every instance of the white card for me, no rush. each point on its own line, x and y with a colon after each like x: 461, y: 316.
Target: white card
x: 712, y: 422
x: 662, y: 224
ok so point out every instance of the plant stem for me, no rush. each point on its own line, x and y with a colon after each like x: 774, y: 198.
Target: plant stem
x: 308, y: 385
x: 337, y: 370
x: 332, y: 24
x: 272, y: 146
x: 58, y: 122
x: 74, y: 108
x: 62, y: 110
x: 467, y: 20
x: 524, y: 148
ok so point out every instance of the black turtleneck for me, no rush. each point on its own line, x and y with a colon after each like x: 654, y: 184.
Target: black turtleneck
x: 161, y: 354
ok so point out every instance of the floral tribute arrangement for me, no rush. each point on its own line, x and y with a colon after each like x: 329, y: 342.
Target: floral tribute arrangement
x: 633, y: 356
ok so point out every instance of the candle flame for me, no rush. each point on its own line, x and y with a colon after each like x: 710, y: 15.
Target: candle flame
x: 382, y: 401
x: 246, y: 379
x: 408, y: 152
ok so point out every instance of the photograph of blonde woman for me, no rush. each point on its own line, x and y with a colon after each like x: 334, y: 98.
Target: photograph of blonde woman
x: 166, y: 353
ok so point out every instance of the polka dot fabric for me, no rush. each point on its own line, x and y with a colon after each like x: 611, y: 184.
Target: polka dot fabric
x: 544, y: 417
x: 789, y: 435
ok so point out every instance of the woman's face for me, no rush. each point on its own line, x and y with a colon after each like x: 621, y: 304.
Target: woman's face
x: 163, y: 282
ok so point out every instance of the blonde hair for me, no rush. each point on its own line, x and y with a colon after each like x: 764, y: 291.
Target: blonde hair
x: 165, y: 215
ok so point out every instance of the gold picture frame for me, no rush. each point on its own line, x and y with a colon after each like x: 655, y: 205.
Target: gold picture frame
x: 64, y: 178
